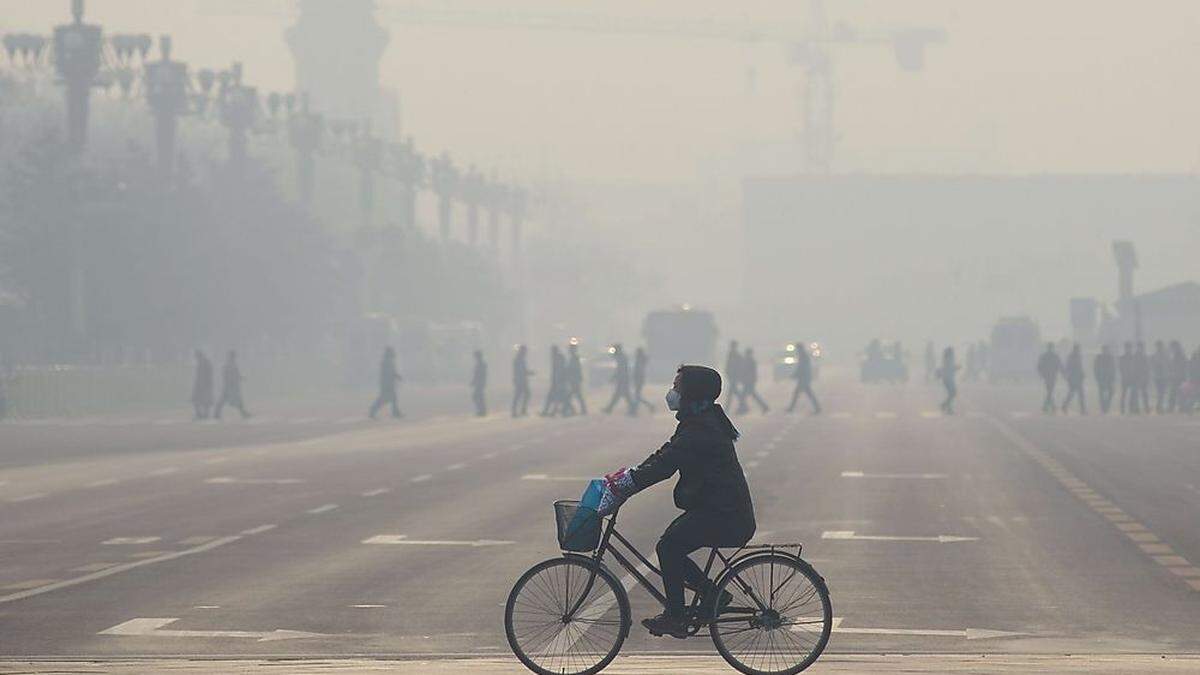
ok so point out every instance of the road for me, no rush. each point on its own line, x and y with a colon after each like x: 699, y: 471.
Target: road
x: 995, y: 531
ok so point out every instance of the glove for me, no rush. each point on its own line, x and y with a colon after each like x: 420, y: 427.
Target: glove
x: 621, y: 482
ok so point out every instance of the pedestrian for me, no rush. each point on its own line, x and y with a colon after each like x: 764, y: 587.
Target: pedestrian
x: 930, y: 361
x: 803, y: 375
x: 1141, y: 377
x: 1193, y: 383
x: 574, y: 380
x: 203, y: 387
x: 557, y: 394
x: 1049, y: 366
x: 388, y: 378
x: 749, y: 380
x: 521, y: 375
x: 640, y: 361
x: 1160, y: 370
x: 733, y: 366
x: 620, y: 381
x: 948, y: 373
x: 1104, y: 369
x: 1129, y: 403
x: 1073, y: 372
x: 231, y: 387
x: 479, y: 385
x: 1177, y: 376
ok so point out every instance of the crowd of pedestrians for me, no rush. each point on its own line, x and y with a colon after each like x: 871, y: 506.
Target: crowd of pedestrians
x: 1162, y: 382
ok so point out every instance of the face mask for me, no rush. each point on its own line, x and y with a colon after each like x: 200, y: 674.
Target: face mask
x: 673, y: 399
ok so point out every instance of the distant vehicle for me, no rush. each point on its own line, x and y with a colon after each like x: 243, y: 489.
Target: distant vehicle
x: 599, y: 366
x: 676, y: 336
x: 1016, y: 344
x: 785, y: 362
x: 880, y: 364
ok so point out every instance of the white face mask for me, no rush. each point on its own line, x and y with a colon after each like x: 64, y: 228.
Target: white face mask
x: 673, y: 399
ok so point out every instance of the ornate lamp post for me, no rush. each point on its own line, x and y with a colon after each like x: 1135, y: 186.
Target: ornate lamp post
x: 239, y: 110
x: 445, y: 179
x: 167, y: 93
x: 306, y: 131
x: 77, y: 56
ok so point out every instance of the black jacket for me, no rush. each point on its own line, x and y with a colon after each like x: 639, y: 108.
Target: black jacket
x: 710, y: 477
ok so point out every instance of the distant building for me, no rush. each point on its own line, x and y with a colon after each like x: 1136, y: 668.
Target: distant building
x: 1170, y: 313
x: 337, y: 46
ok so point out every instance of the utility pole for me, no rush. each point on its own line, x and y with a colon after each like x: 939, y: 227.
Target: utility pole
x: 167, y: 94
x: 77, y: 55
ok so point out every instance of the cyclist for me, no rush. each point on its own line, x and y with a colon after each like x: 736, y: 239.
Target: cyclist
x: 712, y: 491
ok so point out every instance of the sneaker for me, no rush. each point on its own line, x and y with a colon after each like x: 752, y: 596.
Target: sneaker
x: 666, y: 624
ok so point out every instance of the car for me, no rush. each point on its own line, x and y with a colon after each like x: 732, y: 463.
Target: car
x: 784, y: 366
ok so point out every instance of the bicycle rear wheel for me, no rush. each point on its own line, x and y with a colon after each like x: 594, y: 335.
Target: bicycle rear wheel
x: 780, y: 618
x: 545, y: 639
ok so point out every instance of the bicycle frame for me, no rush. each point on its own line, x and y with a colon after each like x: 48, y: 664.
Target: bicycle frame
x: 607, y: 546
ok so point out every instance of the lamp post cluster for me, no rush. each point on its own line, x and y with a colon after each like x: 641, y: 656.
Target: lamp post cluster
x: 84, y: 57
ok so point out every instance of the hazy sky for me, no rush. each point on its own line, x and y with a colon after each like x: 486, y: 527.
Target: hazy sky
x: 1021, y: 85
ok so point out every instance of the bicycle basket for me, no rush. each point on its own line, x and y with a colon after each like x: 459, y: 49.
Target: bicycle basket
x: 578, y: 526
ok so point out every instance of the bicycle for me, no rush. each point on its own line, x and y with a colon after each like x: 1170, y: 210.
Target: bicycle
x: 570, y: 615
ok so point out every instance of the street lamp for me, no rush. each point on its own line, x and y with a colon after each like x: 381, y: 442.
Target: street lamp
x: 472, y: 193
x: 77, y: 56
x: 410, y: 170
x: 239, y: 111
x: 306, y: 131
x: 167, y: 93
x: 445, y: 178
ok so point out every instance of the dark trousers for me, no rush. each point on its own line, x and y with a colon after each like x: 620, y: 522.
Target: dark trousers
x: 234, y: 400
x: 1106, y: 396
x: 620, y: 393
x: 385, y: 397
x: 750, y: 389
x: 951, y: 394
x: 689, y: 532
x: 520, y: 403
x: 575, y: 395
x: 1074, y: 389
x: 638, y: 400
x: 478, y: 399
x: 1048, y: 405
x: 804, y: 387
x: 1160, y: 396
x: 1129, y: 399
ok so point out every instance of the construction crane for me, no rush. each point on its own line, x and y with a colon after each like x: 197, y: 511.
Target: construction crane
x: 811, y: 44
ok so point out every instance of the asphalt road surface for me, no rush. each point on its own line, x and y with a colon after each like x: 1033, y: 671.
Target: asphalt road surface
x: 994, y: 531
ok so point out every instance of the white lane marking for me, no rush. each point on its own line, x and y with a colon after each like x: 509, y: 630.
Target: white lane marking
x: 102, y: 482
x: 130, y: 541
x: 154, y: 628
x: 966, y: 633
x: 94, y: 567
x: 324, y: 508
x: 543, y: 476
x: 368, y: 606
x: 850, y: 534
x: 490, y: 455
x: 207, y: 607
x: 456, y: 467
x: 26, y: 498
x: 192, y: 541
x: 27, y: 584
x: 860, y: 474
x: 885, y: 415
x: 351, y: 419
x: 66, y: 583
x: 403, y: 540
x: 258, y: 530
x: 230, y: 480
x: 165, y: 471
x: 422, y: 478
x: 930, y: 414
x: 376, y: 492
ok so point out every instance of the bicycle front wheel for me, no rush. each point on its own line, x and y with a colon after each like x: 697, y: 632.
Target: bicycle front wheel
x: 779, y: 620
x: 545, y: 638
